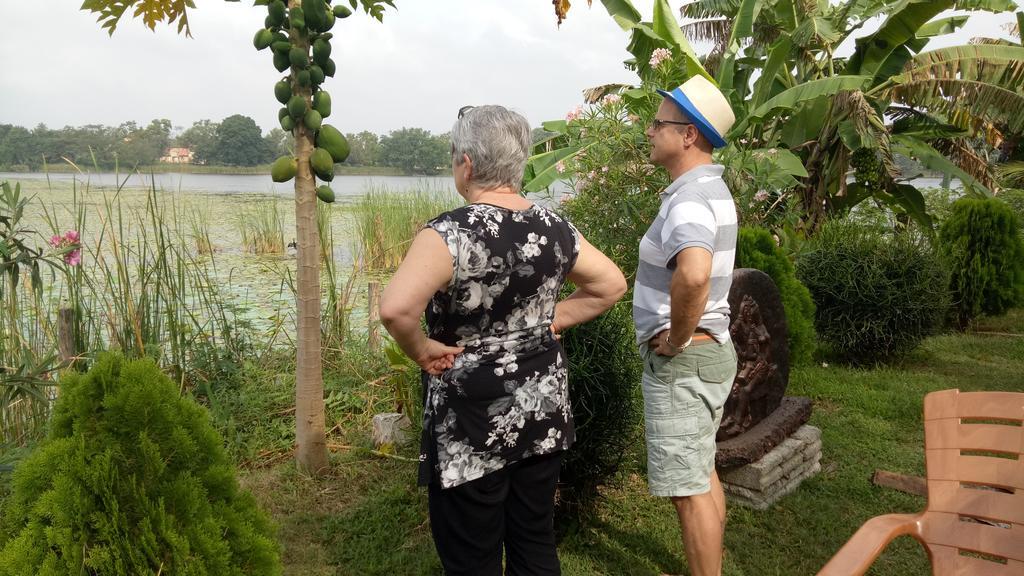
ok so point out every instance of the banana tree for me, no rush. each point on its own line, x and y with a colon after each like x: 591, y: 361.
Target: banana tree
x: 887, y: 98
x: 806, y: 119
x: 291, y: 31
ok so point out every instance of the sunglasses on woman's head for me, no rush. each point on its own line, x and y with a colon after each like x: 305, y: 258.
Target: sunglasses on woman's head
x: 463, y: 110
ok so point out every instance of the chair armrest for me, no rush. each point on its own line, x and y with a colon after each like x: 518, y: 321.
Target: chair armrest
x: 857, y: 555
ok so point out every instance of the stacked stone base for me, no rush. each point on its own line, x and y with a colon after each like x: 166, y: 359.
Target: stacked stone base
x: 761, y: 483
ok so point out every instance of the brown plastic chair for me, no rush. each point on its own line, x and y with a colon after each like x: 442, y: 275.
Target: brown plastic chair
x: 974, y: 522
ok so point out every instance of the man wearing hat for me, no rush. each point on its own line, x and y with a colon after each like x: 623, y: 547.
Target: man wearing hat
x: 681, y: 314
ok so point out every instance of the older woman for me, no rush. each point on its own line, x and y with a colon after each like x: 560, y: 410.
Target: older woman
x: 496, y: 412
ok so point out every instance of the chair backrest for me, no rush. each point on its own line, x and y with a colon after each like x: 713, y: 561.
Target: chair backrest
x: 974, y: 453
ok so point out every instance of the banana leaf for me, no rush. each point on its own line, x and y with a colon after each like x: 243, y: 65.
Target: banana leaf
x: 793, y: 97
x: 900, y: 27
x: 542, y: 169
x: 931, y: 158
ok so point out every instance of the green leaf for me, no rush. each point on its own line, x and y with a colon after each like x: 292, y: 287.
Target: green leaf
x: 777, y: 57
x: 942, y: 26
x: 791, y: 98
x: 667, y: 28
x: 899, y: 28
x: 986, y: 5
x: 623, y: 12
x: 559, y: 126
x: 542, y: 168
x: 912, y: 201
x: 929, y: 157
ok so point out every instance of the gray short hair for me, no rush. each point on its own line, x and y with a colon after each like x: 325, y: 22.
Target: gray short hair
x: 497, y: 140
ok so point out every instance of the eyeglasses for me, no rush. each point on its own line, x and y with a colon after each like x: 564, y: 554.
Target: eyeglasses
x: 657, y: 123
x: 463, y: 110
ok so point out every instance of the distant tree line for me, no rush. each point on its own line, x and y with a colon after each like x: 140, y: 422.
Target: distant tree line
x: 234, y: 141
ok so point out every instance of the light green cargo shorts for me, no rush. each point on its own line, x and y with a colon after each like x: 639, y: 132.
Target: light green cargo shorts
x: 683, y: 400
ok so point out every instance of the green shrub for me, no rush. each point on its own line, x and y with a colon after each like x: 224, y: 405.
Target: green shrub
x: 877, y: 295
x: 755, y: 248
x: 1014, y: 198
x: 983, y: 247
x: 131, y: 479
x: 604, y: 378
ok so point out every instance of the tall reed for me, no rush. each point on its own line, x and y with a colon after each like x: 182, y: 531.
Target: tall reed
x: 261, y: 228
x: 387, y: 221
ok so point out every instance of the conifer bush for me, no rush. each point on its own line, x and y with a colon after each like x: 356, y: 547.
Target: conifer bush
x: 755, y: 248
x: 878, y: 295
x: 982, y: 244
x: 131, y: 479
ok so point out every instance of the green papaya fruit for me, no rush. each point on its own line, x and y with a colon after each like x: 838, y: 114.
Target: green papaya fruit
x: 326, y: 36
x: 330, y: 19
x: 268, y: 22
x: 315, y: 14
x: 260, y: 2
x: 281, y: 46
x: 325, y: 194
x: 283, y: 169
x: 276, y: 10
x: 333, y: 141
x: 321, y: 51
x: 281, y: 62
x: 297, y: 17
x: 302, y: 77
x: 354, y: 3
x: 312, y: 120
x: 322, y: 103
x: 262, y: 39
x: 322, y: 164
x: 329, y: 68
x: 297, y: 107
x: 278, y: 37
x: 287, y: 124
x: 342, y: 11
x: 298, y: 57
x: 282, y: 91
x: 316, y: 75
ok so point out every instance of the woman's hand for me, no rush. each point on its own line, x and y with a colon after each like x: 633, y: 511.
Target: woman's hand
x: 435, y: 357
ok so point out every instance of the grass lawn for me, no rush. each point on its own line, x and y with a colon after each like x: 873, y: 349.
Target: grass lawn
x: 367, y: 517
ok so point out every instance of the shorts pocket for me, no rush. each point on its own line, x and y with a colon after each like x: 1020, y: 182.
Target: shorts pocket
x: 717, y: 371
x: 672, y: 441
x: 660, y: 366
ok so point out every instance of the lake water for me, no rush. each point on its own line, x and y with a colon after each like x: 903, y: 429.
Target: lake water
x: 344, y: 186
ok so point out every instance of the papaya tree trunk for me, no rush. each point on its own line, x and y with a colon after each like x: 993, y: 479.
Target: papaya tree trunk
x: 310, y: 438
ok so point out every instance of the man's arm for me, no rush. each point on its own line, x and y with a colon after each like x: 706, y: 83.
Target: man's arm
x: 691, y: 283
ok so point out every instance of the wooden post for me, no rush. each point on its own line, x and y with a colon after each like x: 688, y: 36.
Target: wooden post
x: 373, y: 320
x: 66, y: 322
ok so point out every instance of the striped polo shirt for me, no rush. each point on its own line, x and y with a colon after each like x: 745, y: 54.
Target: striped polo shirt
x: 696, y: 210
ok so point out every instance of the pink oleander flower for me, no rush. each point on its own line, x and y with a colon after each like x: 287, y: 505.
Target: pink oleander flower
x: 761, y: 195
x: 660, y: 55
x: 574, y: 113
x: 610, y: 99
x: 560, y: 166
x: 71, y: 239
x: 591, y: 175
x: 604, y: 168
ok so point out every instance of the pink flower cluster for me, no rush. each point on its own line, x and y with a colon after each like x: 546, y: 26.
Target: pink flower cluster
x: 659, y: 56
x: 574, y: 114
x: 70, y: 239
x: 610, y: 99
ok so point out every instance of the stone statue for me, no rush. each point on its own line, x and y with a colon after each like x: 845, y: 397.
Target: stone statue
x: 748, y: 403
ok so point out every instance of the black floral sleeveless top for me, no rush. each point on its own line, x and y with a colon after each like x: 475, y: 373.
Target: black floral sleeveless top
x: 506, y: 397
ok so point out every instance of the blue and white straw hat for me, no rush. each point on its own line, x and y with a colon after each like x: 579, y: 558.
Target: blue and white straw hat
x: 705, y: 105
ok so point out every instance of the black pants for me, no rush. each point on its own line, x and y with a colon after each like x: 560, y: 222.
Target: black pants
x: 512, y: 507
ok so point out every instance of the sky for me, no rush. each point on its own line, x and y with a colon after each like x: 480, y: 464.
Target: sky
x: 427, y: 59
